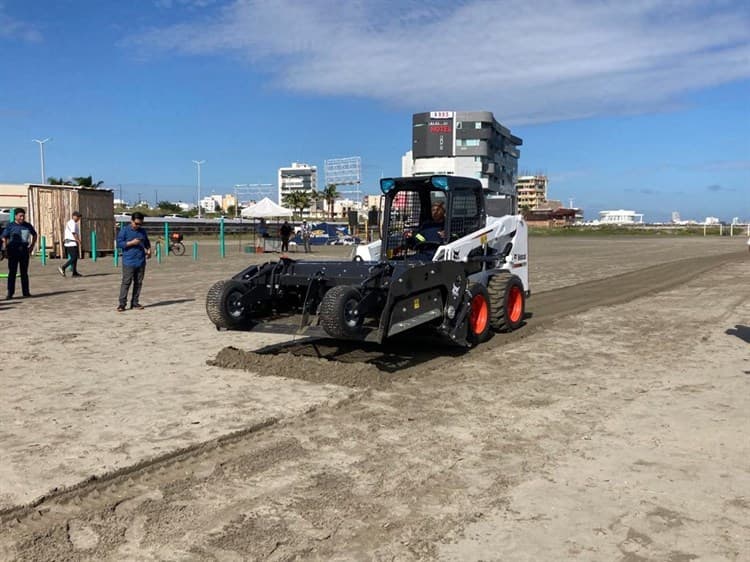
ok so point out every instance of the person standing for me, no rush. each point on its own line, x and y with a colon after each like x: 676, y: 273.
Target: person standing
x: 306, y: 234
x: 285, y: 232
x: 136, y: 249
x: 18, y: 238
x: 72, y: 243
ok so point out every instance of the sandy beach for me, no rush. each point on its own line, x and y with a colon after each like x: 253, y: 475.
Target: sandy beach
x: 614, y: 428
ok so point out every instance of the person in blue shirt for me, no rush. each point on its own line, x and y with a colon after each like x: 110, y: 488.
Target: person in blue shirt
x: 133, y: 241
x: 433, y: 230
x: 18, y: 239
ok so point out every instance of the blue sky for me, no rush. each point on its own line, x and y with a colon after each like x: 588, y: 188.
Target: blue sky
x: 641, y: 105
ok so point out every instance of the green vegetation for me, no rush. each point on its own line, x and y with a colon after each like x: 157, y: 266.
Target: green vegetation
x: 298, y: 200
x: 330, y: 194
x: 82, y: 181
x: 169, y: 208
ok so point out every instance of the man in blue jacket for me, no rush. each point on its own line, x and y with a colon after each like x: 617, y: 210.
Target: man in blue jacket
x: 19, y: 238
x: 133, y: 241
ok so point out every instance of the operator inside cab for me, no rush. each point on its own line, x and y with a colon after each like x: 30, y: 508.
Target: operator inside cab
x: 430, y: 234
x: 433, y: 230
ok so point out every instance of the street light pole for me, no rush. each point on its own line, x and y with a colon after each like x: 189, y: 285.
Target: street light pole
x: 41, y: 154
x: 237, y: 197
x: 198, y: 163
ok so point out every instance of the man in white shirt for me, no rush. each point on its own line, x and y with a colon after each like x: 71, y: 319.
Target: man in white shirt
x: 72, y: 243
x: 306, y: 234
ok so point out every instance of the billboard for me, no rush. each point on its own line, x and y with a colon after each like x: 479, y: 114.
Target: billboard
x: 432, y: 134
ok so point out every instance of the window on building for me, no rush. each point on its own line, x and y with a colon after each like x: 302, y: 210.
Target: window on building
x: 458, y: 124
x: 471, y: 142
x: 477, y: 124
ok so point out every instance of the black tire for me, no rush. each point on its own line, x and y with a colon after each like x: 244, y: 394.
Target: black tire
x: 479, y: 325
x: 336, y: 312
x: 224, y: 304
x: 509, y: 300
x: 178, y: 249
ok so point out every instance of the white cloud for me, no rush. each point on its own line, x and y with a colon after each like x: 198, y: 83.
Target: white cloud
x: 528, y: 61
x: 15, y: 29
x: 189, y: 4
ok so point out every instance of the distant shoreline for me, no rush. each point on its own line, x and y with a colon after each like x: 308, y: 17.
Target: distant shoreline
x: 736, y: 231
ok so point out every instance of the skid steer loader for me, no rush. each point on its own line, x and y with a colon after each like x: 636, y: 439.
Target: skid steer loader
x: 461, y: 279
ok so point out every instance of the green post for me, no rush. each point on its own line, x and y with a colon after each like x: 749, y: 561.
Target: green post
x: 166, y: 238
x: 93, y: 245
x: 117, y: 250
x: 195, y: 251
x: 158, y: 252
x: 44, y: 250
x: 13, y: 215
x: 222, y: 248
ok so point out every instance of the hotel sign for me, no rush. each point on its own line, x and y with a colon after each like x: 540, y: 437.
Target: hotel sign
x: 432, y: 134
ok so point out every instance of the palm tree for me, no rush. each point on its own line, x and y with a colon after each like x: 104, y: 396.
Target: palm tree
x: 330, y: 194
x: 87, y: 181
x: 298, y: 200
x: 58, y: 181
x: 83, y: 181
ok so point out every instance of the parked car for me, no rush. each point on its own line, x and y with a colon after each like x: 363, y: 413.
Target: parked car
x: 344, y: 241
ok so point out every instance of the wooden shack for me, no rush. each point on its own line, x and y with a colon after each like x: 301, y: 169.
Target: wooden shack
x: 51, y: 206
x: 13, y: 195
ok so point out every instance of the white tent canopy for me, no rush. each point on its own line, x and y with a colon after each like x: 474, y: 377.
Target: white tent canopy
x: 265, y: 208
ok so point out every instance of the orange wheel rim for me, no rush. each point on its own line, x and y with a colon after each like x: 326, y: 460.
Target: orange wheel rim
x: 515, y: 304
x: 479, y: 315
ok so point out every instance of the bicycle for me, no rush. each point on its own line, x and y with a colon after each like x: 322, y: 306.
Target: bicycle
x: 175, y: 245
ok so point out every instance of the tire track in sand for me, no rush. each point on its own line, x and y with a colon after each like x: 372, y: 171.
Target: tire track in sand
x: 544, y: 308
x: 358, y: 364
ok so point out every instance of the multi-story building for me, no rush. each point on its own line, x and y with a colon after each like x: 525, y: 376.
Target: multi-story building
x: 466, y: 143
x: 532, y: 191
x: 370, y: 201
x: 297, y: 177
x: 620, y: 217
x: 211, y: 203
x: 227, y: 201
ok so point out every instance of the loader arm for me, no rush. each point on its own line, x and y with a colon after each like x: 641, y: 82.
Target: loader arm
x: 502, y: 245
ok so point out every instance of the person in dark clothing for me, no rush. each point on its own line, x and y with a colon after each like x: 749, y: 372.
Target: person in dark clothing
x: 18, y: 239
x: 285, y: 232
x: 136, y: 248
x: 433, y: 230
x: 430, y: 231
x: 263, y: 228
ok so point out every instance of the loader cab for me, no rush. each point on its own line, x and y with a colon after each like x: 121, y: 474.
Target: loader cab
x: 411, y: 228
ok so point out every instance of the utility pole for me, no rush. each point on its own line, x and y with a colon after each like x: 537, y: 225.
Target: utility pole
x: 236, y: 200
x: 198, y: 163
x: 41, y: 155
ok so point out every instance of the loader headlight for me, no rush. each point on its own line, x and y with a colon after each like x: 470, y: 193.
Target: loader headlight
x: 386, y: 184
x: 440, y: 182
